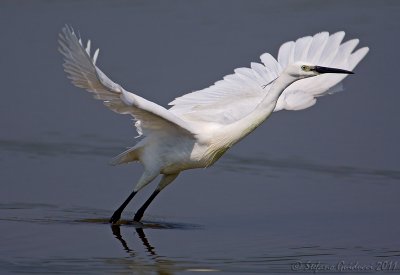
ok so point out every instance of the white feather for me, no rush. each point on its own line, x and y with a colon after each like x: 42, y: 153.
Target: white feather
x: 83, y: 72
x: 232, y: 94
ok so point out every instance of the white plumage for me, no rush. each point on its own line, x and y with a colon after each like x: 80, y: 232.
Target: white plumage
x: 232, y: 98
x: 201, y: 126
x: 84, y: 73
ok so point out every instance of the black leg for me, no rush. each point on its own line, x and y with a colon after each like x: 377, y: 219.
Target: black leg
x: 140, y: 212
x: 117, y: 214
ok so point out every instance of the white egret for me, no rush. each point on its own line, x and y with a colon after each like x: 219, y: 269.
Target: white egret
x: 201, y: 126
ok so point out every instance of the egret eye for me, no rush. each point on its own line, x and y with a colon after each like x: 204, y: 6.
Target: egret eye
x: 305, y: 68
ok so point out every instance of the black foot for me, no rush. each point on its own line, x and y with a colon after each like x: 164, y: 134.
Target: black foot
x: 117, y: 214
x: 115, y: 217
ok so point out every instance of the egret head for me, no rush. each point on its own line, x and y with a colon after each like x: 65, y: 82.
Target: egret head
x: 302, y: 70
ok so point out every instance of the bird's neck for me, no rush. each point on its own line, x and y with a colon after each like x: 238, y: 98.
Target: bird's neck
x: 241, y: 128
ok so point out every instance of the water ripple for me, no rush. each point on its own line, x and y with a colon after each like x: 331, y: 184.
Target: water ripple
x: 51, y: 148
x: 263, y: 165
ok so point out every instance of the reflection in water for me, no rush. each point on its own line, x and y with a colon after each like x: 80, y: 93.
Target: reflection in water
x: 157, y: 264
x: 262, y: 263
x: 47, y: 219
x: 141, y: 256
x: 153, y: 262
x: 116, y: 230
x: 145, y: 242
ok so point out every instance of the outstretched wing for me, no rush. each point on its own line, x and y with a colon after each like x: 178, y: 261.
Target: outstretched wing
x: 235, y: 96
x: 83, y: 72
x: 232, y: 98
x: 324, y: 50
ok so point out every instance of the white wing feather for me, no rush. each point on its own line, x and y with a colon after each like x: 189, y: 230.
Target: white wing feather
x: 238, y: 94
x: 231, y: 98
x: 322, y: 50
x: 83, y: 72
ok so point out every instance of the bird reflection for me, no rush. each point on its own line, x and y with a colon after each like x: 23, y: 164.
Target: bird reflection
x: 157, y: 264
x: 145, y: 242
x: 116, y: 230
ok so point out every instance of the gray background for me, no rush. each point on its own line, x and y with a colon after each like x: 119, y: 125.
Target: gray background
x: 319, y: 185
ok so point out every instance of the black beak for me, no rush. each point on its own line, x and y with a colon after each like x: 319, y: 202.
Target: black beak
x: 326, y: 70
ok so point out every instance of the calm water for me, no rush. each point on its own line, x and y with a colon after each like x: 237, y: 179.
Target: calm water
x: 315, y: 189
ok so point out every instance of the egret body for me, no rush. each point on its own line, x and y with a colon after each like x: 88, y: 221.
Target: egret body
x: 201, y: 126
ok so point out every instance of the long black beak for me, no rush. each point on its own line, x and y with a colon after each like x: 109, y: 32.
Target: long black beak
x: 325, y: 70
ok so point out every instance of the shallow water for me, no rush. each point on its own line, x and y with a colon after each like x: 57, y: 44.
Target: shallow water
x: 315, y: 190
